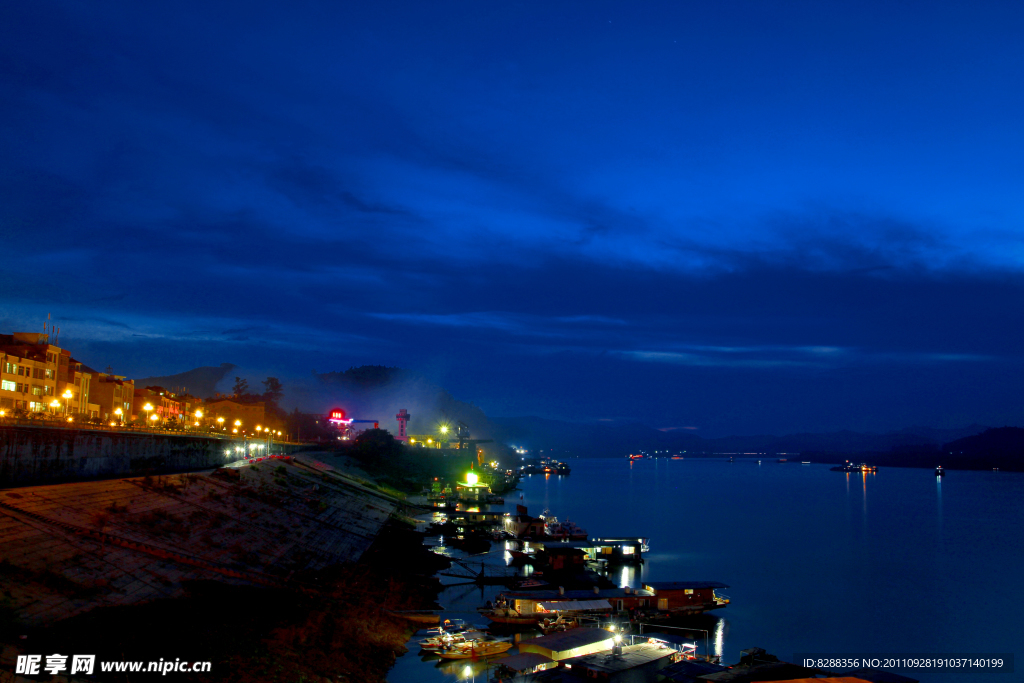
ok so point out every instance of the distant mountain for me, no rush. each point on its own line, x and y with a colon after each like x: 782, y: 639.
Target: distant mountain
x: 619, y: 439
x: 1002, y: 443
x: 200, y: 382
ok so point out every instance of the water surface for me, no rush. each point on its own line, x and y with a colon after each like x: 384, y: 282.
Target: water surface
x: 816, y: 561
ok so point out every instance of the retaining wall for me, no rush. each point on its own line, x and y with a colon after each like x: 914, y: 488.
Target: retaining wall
x: 34, y: 455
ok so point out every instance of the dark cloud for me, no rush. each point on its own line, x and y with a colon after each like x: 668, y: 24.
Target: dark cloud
x: 545, y: 213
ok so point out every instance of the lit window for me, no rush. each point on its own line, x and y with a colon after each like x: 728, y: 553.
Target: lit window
x: 9, y: 386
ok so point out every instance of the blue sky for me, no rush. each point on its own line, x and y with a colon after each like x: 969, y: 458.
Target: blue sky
x: 738, y: 217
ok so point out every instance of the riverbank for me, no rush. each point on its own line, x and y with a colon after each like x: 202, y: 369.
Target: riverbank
x: 286, y: 571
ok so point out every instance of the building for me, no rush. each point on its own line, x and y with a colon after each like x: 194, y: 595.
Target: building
x: 28, y: 372
x: 164, y: 405
x: 111, y: 393
x: 224, y: 412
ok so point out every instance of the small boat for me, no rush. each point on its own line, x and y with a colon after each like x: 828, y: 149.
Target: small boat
x: 566, y: 530
x: 476, y: 648
x: 939, y: 472
x: 519, y: 557
x: 442, y: 642
x: 560, y: 624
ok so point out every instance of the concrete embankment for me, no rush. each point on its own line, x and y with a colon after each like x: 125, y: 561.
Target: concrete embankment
x: 31, y: 454
x: 291, y: 568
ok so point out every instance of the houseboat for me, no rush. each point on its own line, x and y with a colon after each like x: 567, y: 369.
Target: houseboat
x: 683, y: 598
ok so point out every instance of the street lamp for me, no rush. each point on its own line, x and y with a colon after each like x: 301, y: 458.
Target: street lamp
x: 154, y: 418
x: 120, y: 415
x: 67, y: 399
x: 220, y: 422
x: 148, y: 408
x: 55, y: 404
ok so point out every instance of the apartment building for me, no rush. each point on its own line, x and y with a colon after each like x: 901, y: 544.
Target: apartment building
x: 112, y: 393
x: 28, y: 372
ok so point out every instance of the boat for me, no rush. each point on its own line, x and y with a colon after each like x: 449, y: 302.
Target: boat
x: 519, y: 557
x: 475, y: 649
x: 939, y: 472
x: 566, y: 530
x: 502, y: 612
x: 442, y: 642
x: 850, y: 467
x: 560, y: 624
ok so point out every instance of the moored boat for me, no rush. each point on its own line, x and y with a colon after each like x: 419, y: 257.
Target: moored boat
x: 475, y: 649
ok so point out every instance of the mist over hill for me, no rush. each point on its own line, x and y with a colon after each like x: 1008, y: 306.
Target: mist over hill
x: 197, y: 382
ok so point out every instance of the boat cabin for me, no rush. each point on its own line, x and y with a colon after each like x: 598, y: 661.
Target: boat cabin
x: 522, y: 525
x: 476, y: 517
x: 686, y: 596
x: 472, y: 493
x: 567, y: 644
x: 559, y: 559
x: 610, y: 550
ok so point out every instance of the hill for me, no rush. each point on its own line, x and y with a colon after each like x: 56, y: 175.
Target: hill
x: 198, y: 382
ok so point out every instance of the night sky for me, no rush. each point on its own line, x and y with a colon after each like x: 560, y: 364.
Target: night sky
x: 728, y: 217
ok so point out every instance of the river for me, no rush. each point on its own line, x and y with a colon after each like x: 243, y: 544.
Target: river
x: 898, y: 562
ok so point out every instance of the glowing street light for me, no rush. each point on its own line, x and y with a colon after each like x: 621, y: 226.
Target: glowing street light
x: 120, y: 416
x: 67, y: 395
x: 55, y: 404
x: 220, y: 422
x: 154, y: 418
x: 148, y: 408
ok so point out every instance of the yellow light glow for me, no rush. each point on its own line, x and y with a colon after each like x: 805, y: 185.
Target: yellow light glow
x: 55, y: 404
x: 154, y: 417
x: 238, y: 423
x: 412, y: 440
x: 471, y: 479
x: 199, y: 413
x: 118, y: 412
x: 258, y: 428
x: 71, y: 419
x: 148, y: 406
x: 67, y: 394
x: 234, y: 431
x: 430, y: 441
x: 220, y: 419
x: 444, y: 429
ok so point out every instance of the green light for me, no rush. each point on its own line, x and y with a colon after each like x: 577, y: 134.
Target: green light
x: 471, y: 479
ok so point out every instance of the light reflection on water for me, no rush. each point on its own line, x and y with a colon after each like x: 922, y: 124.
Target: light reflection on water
x: 808, y: 571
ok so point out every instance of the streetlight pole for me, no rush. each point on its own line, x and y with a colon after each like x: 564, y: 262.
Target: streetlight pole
x: 148, y: 408
x: 67, y: 399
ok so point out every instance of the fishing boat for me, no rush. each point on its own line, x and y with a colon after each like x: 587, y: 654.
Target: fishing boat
x: 476, y: 649
x: 939, y: 472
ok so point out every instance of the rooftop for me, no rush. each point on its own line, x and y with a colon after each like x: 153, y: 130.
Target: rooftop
x: 682, y: 585
x: 632, y: 656
x: 567, y: 640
